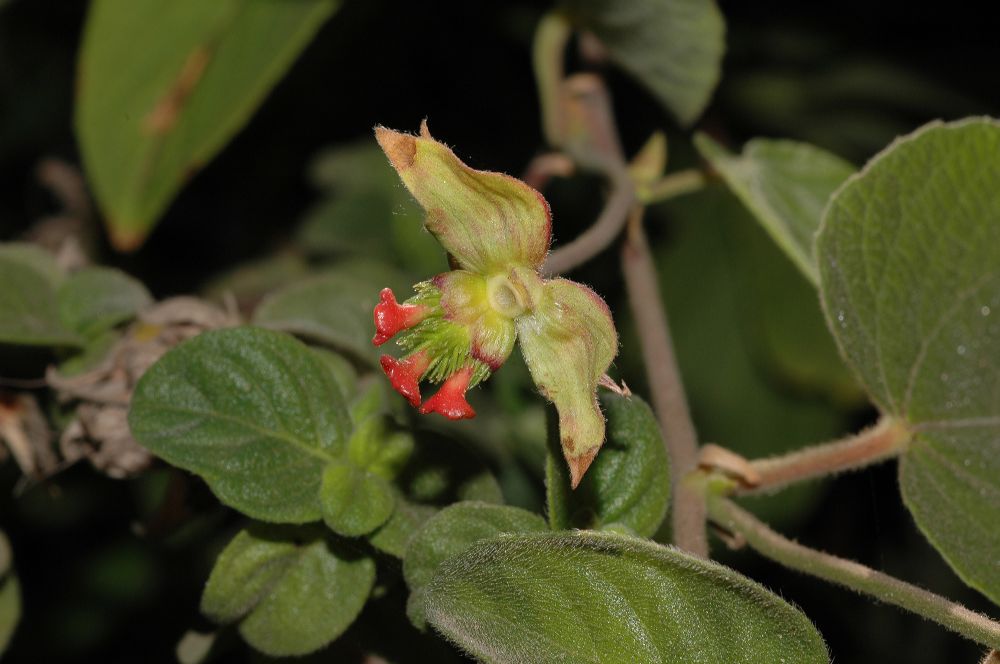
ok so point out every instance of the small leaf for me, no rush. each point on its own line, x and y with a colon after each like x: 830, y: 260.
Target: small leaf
x: 294, y: 590
x: 568, y: 343
x: 29, y: 312
x: 673, y: 47
x: 908, y: 255
x: 456, y: 528
x: 333, y: 308
x: 601, y: 597
x: 355, y: 501
x: 487, y: 221
x: 629, y: 481
x: 147, y: 119
x: 785, y: 185
x: 253, y: 412
x: 96, y: 299
x: 406, y: 520
x: 35, y: 257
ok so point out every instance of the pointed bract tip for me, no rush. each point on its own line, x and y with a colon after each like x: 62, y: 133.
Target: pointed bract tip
x: 399, y: 147
x: 578, y: 466
x: 424, y: 131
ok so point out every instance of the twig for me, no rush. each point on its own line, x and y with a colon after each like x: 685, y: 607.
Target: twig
x: 669, y: 400
x: 596, y: 238
x: 855, y: 576
x: 675, y: 184
x: 886, y: 439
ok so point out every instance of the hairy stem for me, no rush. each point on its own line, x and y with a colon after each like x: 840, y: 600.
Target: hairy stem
x: 855, y: 576
x: 886, y: 439
x: 596, y: 238
x: 669, y: 400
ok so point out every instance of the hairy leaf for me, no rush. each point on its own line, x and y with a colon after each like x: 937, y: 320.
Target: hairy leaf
x: 909, y: 258
x: 354, y: 501
x: 454, y: 529
x: 29, y: 310
x: 629, y: 482
x: 601, y: 597
x: 293, y: 589
x: 255, y: 413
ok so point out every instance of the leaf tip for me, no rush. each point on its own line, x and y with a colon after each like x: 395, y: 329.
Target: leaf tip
x: 125, y: 239
x: 578, y: 466
x: 399, y: 147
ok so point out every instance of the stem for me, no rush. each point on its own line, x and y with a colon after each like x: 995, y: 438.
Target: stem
x: 886, y: 439
x: 548, y: 52
x: 675, y: 184
x: 593, y: 240
x: 855, y: 576
x: 669, y: 400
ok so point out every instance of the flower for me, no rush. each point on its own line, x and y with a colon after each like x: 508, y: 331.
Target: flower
x: 462, y: 325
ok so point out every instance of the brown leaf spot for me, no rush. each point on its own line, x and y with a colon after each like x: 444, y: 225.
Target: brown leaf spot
x: 167, y: 110
x: 399, y: 147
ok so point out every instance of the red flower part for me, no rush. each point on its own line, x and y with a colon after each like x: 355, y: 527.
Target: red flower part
x: 405, y: 374
x: 450, y: 399
x: 392, y: 317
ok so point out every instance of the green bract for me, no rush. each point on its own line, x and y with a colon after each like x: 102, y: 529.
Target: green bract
x: 461, y: 325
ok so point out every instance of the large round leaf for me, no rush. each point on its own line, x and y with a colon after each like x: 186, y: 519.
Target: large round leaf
x: 255, y: 413
x: 909, y: 258
x: 601, y: 597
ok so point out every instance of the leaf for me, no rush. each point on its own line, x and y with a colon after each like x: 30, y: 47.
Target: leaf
x: 673, y: 47
x: 601, y: 597
x: 404, y: 523
x: 10, y: 595
x: 454, y: 529
x: 96, y: 299
x: 909, y: 257
x: 785, y: 185
x: 568, y: 342
x: 29, y: 313
x: 629, y: 481
x: 334, y: 308
x: 147, y: 118
x: 354, y: 501
x: 293, y: 589
x: 486, y: 221
x: 253, y: 412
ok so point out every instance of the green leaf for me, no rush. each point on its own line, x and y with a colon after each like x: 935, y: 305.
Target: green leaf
x: 334, y: 308
x: 673, y: 47
x: 29, y: 312
x: 96, y: 299
x: 629, y: 481
x: 355, y: 501
x: 293, y: 589
x: 785, y: 185
x: 147, y: 118
x: 909, y: 257
x: 253, y: 412
x: 456, y: 528
x: 10, y: 595
x: 406, y: 520
x: 601, y: 597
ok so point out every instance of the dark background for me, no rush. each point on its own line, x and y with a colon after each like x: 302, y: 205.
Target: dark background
x: 848, y: 76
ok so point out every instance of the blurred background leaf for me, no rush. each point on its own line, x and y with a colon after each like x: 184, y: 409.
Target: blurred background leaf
x: 148, y: 118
